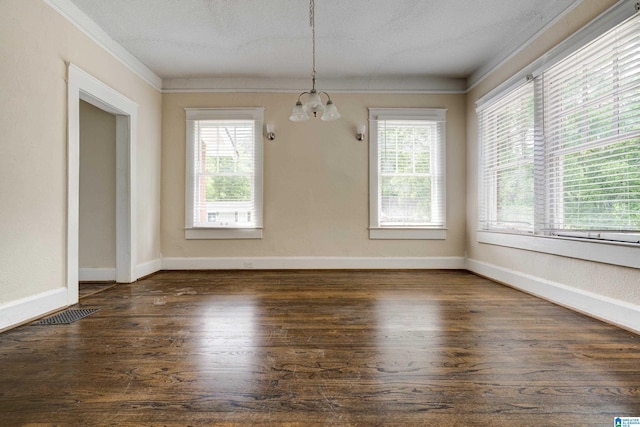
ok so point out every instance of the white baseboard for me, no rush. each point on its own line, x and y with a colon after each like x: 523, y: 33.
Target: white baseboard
x: 30, y: 308
x: 147, y: 268
x: 276, y: 263
x: 109, y: 274
x: 96, y: 274
x: 616, y: 312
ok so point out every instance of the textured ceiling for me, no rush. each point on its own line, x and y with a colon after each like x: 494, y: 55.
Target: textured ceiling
x: 355, y: 38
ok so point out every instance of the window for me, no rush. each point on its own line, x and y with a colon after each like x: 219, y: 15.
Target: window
x: 507, y: 133
x: 407, y: 179
x: 224, y: 173
x: 592, y: 137
x: 560, y: 154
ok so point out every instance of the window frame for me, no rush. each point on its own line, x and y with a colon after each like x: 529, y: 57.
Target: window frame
x: 427, y: 232
x: 192, y: 231
x: 580, y: 245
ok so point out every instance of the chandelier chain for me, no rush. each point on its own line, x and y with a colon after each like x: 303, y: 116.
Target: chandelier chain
x: 312, y: 23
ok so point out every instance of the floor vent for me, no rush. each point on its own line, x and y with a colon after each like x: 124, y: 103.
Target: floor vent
x: 67, y: 316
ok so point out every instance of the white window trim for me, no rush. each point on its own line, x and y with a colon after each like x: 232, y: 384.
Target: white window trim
x: 251, y: 113
x: 409, y: 232
x: 608, y: 252
x: 222, y: 233
x: 616, y: 253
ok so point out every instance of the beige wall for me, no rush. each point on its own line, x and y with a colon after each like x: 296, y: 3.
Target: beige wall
x: 97, y: 228
x: 36, y: 44
x: 600, y: 279
x: 316, y: 199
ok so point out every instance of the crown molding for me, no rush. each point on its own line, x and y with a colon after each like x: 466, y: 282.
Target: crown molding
x: 412, y: 84
x: 92, y: 30
x: 512, y: 50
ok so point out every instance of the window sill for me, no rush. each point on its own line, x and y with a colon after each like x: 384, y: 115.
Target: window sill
x: 615, y: 253
x: 222, y: 233
x: 407, y: 233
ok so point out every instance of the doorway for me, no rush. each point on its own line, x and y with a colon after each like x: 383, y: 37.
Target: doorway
x: 97, y: 207
x: 82, y: 86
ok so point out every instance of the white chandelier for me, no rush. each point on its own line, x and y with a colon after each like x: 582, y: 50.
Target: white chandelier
x: 313, y: 104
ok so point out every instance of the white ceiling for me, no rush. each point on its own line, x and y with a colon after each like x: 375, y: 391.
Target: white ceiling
x: 384, y: 40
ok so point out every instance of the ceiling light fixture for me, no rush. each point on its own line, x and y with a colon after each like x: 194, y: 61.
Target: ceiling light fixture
x: 313, y: 104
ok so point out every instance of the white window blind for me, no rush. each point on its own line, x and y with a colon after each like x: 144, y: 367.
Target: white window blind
x: 408, y: 168
x: 560, y: 154
x: 224, y: 183
x: 507, y: 135
x: 592, y: 133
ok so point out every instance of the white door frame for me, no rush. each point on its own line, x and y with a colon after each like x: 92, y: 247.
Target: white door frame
x: 83, y: 86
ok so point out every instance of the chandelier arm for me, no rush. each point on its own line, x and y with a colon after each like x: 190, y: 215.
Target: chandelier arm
x: 321, y: 92
x: 300, y: 96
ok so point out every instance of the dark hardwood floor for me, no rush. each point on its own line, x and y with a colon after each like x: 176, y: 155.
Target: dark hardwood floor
x: 300, y: 348
x: 86, y: 289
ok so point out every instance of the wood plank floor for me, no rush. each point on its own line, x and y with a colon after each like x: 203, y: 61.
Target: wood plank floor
x: 86, y: 289
x: 304, y: 348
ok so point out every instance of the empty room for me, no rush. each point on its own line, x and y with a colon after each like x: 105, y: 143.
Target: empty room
x: 320, y: 212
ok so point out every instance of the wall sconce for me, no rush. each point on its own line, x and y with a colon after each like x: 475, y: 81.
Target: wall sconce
x: 360, y: 132
x: 270, y: 134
